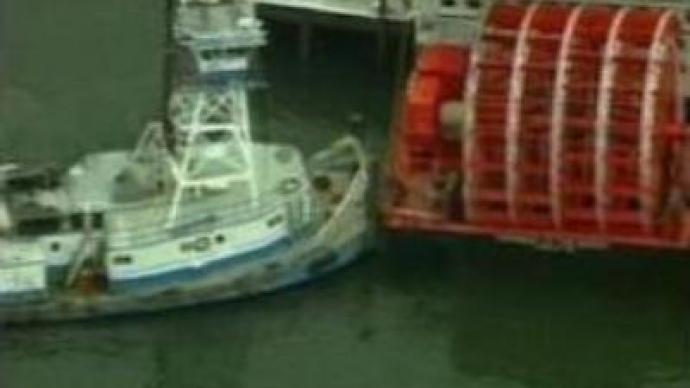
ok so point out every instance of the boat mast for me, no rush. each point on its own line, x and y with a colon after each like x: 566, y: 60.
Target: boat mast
x: 208, y: 123
x: 168, y: 72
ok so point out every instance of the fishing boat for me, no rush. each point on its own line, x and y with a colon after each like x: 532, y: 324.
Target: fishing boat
x: 558, y: 124
x: 197, y: 212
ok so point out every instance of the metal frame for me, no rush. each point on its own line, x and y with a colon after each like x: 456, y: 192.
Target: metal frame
x: 601, y: 129
x: 558, y: 109
x: 469, y: 134
x: 198, y: 114
x: 517, y: 82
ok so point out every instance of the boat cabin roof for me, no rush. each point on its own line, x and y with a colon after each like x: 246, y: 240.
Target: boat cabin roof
x: 280, y: 175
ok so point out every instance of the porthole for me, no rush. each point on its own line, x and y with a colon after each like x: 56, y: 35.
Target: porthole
x: 55, y: 246
x: 277, y: 220
x: 122, y: 260
x: 220, y: 239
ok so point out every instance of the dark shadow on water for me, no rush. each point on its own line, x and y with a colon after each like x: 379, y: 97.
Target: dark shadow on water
x: 606, y: 319
x: 490, y: 312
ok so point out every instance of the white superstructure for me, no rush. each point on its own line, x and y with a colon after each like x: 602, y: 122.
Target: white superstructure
x: 197, y: 198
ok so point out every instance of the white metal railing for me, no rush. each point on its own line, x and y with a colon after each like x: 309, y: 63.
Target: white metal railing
x: 356, y: 191
x: 129, y: 233
x: 299, y: 208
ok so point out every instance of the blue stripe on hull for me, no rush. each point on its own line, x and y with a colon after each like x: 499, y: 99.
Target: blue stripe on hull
x: 182, y: 276
x: 22, y: 297
x: 341, y: 258
x: 336, y: 258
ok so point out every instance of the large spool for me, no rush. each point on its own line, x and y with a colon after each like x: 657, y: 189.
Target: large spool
x: 570, y: 112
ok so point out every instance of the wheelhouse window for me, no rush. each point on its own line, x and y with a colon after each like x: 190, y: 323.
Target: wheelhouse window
x: 80, y: 221
x: 76, y: 221
x: 97, y: 220
x: 39, y: 226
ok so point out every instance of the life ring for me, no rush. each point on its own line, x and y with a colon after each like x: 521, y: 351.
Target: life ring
x: 289, y: 186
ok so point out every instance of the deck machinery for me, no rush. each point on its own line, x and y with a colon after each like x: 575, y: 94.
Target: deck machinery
x: 560, y: 123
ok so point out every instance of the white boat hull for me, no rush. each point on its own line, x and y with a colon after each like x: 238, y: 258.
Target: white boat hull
x: 286, y: 260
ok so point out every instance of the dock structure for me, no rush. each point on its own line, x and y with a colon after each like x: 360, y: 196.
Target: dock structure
x: 398, y: 10
x: 377, y: 17
x: 449, y: 21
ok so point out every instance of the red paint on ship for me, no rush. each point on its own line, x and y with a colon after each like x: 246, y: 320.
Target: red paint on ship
x: 562, y: 124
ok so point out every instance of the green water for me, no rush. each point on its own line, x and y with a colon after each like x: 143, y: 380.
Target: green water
x: 79, y: 75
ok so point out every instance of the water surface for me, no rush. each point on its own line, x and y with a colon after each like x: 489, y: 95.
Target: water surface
x: 415, y: 312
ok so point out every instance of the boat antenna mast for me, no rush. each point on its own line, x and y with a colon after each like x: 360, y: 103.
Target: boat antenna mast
x: 207, y: 115
x: 168, y: 68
